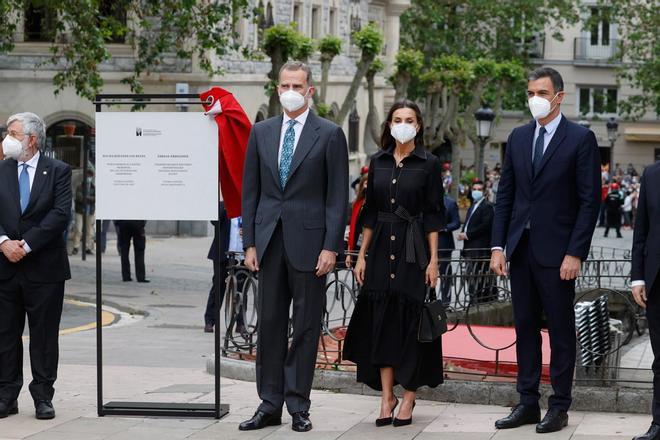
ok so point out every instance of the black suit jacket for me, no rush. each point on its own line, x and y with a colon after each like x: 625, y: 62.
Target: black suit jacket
x: 646, y: 238
x: 479, y: 227
x: 561, y: 202
x: 43, y: 223
x: 312, y: 207
x: 452, y: 223
x: 223, y: 240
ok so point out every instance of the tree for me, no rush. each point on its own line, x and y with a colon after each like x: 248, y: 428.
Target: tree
x: 469, y: 52
x: 638, y: 22
x: 156, y: 29
x: 281, y: 43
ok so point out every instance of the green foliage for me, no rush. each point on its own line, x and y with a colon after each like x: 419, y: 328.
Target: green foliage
x: 369, y: 40
x: 283, y: 38
x: 376, y: 66
x: 329, y: 46
x: 162, y: 32
x: 323, y: 109
x: 638, y: 22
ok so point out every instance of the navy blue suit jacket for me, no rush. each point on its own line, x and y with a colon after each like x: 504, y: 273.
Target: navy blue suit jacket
x: 453, y: 222
x: 646, y: 238
x: 561, y: 202
x: 223, y: 240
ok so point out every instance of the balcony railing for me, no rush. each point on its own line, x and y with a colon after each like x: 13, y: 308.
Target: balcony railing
x: 586, y: 49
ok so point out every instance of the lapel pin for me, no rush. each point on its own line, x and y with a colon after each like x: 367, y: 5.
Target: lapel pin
x: 45, y: 172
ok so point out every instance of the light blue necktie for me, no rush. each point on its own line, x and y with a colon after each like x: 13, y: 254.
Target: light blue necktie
x: 24, y: 187
x: 287, y: 153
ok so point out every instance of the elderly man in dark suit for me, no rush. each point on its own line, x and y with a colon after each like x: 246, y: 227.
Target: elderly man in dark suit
x: 645, y: 276
x: 35, y: 201
x: 547, y: 206
x: 295, y: 194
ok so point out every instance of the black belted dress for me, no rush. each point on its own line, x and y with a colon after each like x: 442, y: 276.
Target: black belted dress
x: 403, y: 203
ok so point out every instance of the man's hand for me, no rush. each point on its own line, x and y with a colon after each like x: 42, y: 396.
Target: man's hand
x: 13, y: 250
x: 498, y: 263
x: 462, y: 236
x: 639, y: 294
x: 570, y: 268
x: 325, y: 263
x: 251, y: 259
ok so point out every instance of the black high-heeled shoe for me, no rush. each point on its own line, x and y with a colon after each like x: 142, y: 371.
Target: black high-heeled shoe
x: 387, y: 420
x: 403, y: 422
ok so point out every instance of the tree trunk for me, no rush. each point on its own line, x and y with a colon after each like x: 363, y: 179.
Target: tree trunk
x: 325, y: 73
x: 362, y: 68
x: 402, y: 81
x: 277, y: 61
x: 373, y: 123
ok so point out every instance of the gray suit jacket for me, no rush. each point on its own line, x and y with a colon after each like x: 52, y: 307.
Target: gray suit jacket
x: 312, y: 207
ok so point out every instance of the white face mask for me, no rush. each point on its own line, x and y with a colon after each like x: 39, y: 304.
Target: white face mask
x: 540, y: 107
x: 292, y: 100
x: 13, y: 148
x: 403, y: 132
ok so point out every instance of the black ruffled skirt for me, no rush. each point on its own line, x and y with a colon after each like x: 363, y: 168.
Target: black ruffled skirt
x: 383, y: 333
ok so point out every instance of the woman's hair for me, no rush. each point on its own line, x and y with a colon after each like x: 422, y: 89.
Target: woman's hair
x: 386, y: 139
x: 362, y: 192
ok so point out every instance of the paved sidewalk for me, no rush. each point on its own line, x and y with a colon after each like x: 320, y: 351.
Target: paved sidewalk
x: 161, y: 356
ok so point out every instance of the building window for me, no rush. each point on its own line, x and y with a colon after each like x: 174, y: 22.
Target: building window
x: 332, y: 21
x: 39, y: 24
x: 297, y: 16
x: 316, y: 22
x: 600, y: 27
x: 598, y: 100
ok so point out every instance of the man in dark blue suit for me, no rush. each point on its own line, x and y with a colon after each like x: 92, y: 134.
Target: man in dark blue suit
x: 645, y: 276
x: 547, y: 206
x: 447, y: 245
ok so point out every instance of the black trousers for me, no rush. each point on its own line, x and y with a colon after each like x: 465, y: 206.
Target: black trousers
x: 129, y: 231
x: 653, y: 317
x: 220, y: 276
x: 536, y: 289
x: 613, y: 221
x: 445, y: 276
x: 285, y: 371
x: 42, y: 302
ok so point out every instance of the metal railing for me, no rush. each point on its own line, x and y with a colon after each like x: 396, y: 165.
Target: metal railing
x: 474, y: 298
x: 586, y: 49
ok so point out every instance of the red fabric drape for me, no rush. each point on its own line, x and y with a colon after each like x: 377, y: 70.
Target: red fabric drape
x: 233, y: 132
x: 357, y: 205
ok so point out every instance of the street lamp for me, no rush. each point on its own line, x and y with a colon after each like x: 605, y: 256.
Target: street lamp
x: 612, y: 134
x: 484, y: 117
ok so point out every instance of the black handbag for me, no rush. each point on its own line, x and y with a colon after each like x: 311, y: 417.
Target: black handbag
x: 433, y: 322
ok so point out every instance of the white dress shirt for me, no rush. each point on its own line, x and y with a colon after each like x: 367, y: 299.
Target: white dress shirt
x: 32, y: 171
x: 550, y: 129
x: 297, y: 128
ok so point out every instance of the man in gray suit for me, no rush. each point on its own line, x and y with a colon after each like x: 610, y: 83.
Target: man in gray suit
x: 295, y: 193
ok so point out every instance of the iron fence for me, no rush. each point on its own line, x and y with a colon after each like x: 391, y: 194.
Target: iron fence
x: 476, y: 301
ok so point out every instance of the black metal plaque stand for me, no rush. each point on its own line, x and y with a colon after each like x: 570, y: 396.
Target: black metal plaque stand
x: 214, y: 410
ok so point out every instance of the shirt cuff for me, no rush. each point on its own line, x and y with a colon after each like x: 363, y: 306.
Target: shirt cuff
x: 637, y: 283
x: 26, y: 247
x: 3, y: 238
x: 497, y: 248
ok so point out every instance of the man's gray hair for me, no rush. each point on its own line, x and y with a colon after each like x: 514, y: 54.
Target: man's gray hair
x: 32, y: 125
x: 297, y: 65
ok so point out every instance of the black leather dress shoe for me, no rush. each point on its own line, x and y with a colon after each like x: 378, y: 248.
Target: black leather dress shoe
x: 520, y: 415
x: 554, y: 420
x: 300, y: 422
x: 260, y: 420
x: 652, y: 434
x: 8, y: 408
x: 144, y: 281
x: 44, y: 410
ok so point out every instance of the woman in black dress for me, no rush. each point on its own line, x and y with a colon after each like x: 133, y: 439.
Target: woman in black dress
x: 396, y: 266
